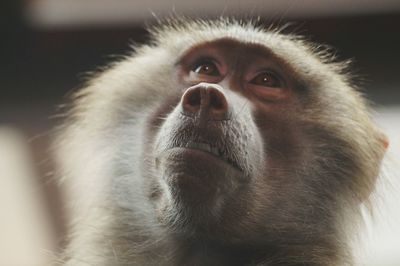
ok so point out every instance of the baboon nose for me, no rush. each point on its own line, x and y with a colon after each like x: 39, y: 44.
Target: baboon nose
x: 206, y: 101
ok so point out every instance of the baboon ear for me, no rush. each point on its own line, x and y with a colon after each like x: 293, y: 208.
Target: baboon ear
x: 385, y: 140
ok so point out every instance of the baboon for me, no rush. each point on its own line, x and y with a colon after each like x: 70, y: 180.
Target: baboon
x: 218, y: 143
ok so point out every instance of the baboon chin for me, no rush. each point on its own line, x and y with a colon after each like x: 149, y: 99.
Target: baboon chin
x: 219, y: 143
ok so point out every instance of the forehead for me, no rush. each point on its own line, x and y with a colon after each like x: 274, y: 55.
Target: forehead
x: 208, y: 31
x: 229, y: 48
x: 230, y: 36
x: 180, y: 40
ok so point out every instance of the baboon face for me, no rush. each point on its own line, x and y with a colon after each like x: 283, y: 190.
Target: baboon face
x: 211, y: 144
x: 209, y: 147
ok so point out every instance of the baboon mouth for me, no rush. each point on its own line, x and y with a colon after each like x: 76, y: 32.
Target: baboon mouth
x: 213, y: 150
x: 202, y: 146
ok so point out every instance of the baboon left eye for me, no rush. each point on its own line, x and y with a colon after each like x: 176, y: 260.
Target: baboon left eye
x: 266, y: 79
x: 206, y: 67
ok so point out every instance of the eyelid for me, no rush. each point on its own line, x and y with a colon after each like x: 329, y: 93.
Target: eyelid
x: 265, y: 70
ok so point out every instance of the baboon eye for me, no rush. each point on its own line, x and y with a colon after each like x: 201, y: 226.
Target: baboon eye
x: 206, y: 67
x: 266, y: 79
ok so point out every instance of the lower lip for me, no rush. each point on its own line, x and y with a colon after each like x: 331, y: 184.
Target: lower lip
x: 199, y: 157
x: 197, y: 153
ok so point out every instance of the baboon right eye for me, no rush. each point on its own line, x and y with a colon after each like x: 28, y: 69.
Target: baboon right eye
x: 206, y: 67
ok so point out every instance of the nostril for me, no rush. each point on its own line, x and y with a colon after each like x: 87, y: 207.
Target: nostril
x: 191, y: 100
x: 194, y: 98
x: 217, y: 101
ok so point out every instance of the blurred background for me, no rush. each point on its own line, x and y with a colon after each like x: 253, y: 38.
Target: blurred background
x: 47, y: 46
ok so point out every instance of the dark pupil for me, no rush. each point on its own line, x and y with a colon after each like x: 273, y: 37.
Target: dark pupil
x: 205, y: 69
x: 267, y: 79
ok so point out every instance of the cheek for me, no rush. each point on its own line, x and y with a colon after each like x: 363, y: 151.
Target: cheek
x: 281, y: 133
